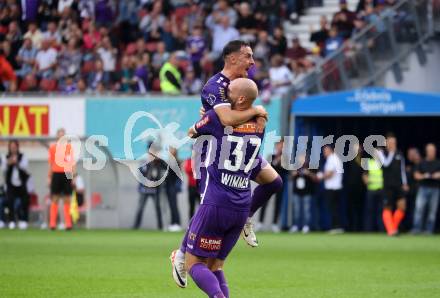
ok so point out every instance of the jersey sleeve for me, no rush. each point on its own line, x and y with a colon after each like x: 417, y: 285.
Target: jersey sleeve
x: 208, y: 125
x: 215, y: 95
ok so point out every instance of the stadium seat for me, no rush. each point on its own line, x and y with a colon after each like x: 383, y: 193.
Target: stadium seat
x: 48, y: 85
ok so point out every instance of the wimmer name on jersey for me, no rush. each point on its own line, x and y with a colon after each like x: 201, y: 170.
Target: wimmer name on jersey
x: 230, y: 158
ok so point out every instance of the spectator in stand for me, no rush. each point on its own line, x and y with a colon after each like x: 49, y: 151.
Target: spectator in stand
x: 303, y: 190
x: 73, y: 31
x: 180, y: 33
x: 332, y: 177
x: 52, y: 34
x: 81, y: 86
x: 192, y: 85
x: 220, y: 10
x: 103, y: 13
x: 14, y: 37
x: 193, y: 194
x: 91, y: 38
x: 10, y: 56
x: 262, y: 47
x: 47, y: 12
x: 196, y: 46
x: 278, y: 42
x: 152, y: 21
x: 428, y: 175
x: 296, y: 52
x: 87, y: 8
x: 372, y: 15
x: 16, y: 176
x: 168, y: 36
x: 127, y: 19
x: 30, y: 10
x: 141, y: 73
x: 344, y: 20
x: 280, y: 76
x: 29, y: 83
x: 359, y: 25
x: 97, y: 76
x: 69, y: 86
x: 126, y: 75
x: 222, y: 33
x: 362, y: 5
x: 195, y: 17
x: 46, y: 61
x: 170, y: 77
x: 355, y: 190
x: 140, y: 46
x: 333, y: 42
x: 63, y: 4
x: 320, y: 36
x: 34, y: 34
x: 26, y: 58
x: 69, y: 61
x: 246, y: 24
x: 160, y: 57
x: 300, y: 70
x: 8, y: 78
x: 373, y: 179
x: 107, y: 53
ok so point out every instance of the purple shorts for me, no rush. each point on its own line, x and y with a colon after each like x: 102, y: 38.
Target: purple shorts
x: 214, y: 231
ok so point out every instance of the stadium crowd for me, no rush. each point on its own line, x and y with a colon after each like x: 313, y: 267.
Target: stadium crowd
x: 135, y: 46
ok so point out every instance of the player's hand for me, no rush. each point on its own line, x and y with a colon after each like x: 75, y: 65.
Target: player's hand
x: 202, y: 112
x: 261, y: 111
x: 191, y: 133
x: 405, y: 188
x: 261, y: 124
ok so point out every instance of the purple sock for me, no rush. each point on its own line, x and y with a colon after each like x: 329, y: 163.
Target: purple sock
x: 206, y: 280
x: 263, y: 193
x: 222, y: 282
x: 184, y: 241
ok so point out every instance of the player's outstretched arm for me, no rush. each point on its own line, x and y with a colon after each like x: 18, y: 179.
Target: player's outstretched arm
x: 229, y: 117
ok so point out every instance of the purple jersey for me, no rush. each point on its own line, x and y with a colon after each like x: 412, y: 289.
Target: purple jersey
x: 214, y: 93
x: 227, y: 181
x: 198, y: 43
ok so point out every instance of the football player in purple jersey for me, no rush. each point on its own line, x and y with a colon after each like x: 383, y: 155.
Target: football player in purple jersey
x: 226, y: 196
x: 238, y: 58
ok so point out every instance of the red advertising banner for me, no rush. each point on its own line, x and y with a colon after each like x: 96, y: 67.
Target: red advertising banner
x: 24, y: 120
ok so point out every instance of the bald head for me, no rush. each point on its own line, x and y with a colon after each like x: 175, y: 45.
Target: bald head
x: 242, y: 92
x: 431, y: 151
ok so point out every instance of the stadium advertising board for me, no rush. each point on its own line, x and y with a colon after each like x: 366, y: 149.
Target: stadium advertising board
x: 368, y: 102
x: 114, y: 118
x: 35, y: 117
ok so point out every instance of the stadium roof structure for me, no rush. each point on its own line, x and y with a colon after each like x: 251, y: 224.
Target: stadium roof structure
x: 367, y: 102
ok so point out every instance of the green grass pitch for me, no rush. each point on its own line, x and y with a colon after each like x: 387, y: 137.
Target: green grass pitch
x: 135, y: 264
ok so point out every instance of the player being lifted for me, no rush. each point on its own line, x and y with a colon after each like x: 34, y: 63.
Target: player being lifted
x: 238, y: 58
x: 226, y: 196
